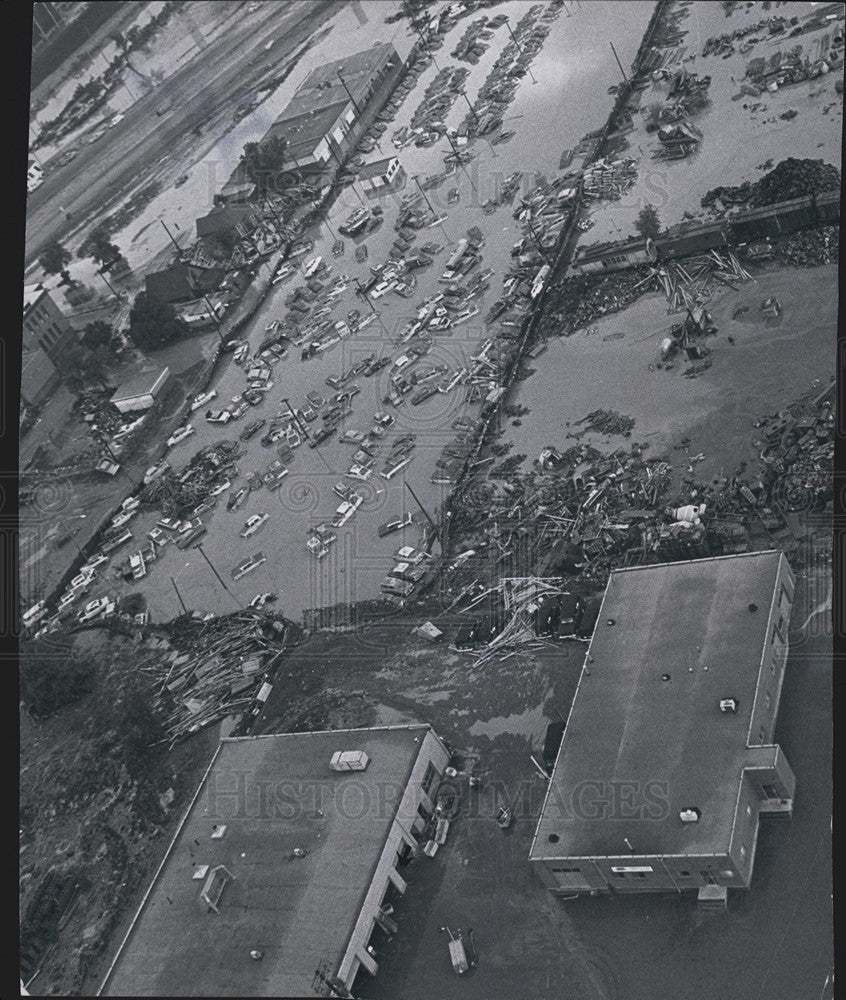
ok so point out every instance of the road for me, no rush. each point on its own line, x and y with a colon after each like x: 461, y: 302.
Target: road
x: 118, y: 161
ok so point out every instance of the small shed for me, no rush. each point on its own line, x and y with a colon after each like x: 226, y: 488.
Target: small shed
x: 140, y: 393
x: 381, y: 174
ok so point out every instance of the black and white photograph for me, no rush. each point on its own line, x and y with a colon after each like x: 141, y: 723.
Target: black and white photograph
x: 423, y: 533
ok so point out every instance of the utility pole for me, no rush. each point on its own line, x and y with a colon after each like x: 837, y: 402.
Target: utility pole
x: 432, y: 210
x: 541, y: 250
x: 347, y: 89
x: 622, y: 71
x: 420, y: 505
x: 461, y: 163
x: 374, y: 310
x: 520, y: 49
x: 108, y: 283
x: 304, y: 432
x: 179, y: 597
x: 220, y: 579
x: 172, y: 240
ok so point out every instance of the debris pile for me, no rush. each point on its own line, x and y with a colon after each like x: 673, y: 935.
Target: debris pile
x: 810, y: 248
x: 177, y: 496
x: 608, y: 180
x: 215, y: 667
x: 520, y: 599
x: 791, y: 178
x: 607, y: 422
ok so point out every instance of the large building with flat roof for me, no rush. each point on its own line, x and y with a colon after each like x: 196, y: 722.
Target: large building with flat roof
x: 328, y: 114
x: 277, y: 876
x: 668, y: 760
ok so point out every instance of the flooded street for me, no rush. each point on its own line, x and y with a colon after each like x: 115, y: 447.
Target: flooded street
x: 547, y: 116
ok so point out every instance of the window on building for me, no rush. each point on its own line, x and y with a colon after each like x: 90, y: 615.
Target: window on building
x: 639, y: 874
x: 566, y: 871
x: 684, y: 874
x: 423, y: 812
x: 784, y: 599
x: 429, y: 778
x: 707, y: 877
x: 619, y: 874
x: 770, y: 792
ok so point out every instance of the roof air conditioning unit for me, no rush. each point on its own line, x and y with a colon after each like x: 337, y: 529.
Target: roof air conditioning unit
x: 728, y: 704
x: 349, y: 760
x: 689, y: 815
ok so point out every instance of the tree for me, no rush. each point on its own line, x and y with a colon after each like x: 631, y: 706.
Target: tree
x: 263, y: 160
x: 55, y: 259
x: 152, y: 323
x: 100, y: 248
x: 97, y: 334
x: 647, y: 223
x: 51, y: 677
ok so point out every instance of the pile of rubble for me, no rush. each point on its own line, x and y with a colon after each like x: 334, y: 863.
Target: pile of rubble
x: 723, y: 45
x: 579, y: 300
x: 215, y: 667
x: 791, y: 66
x: 608, y: 180
x: 791, y: 178
x: 177, y: 496
x: 810, y: 248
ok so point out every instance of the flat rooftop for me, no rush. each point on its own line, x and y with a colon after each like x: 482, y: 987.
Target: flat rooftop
x: 141, y: 385
x: 690, y: 620
x: 323, y: 85
x: 273, y: 794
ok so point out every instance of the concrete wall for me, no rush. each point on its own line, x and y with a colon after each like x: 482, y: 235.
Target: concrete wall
x: 431, y: 750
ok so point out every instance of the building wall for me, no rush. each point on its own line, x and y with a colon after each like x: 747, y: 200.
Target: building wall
x: 39, y: 377
x: 45, y: 326
x: 431, y: 751
x: 773, y: 659
x: 669, y: 873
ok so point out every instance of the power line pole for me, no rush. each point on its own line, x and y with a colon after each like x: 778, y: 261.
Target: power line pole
x: 449, y: 240
x: 520, y: 49
x: 219, y: 577
x: 420, y: 505
x: 179, y: 596
x: 618, y: 60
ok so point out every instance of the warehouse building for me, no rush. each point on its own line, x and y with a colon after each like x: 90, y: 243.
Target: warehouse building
x: 328, y: 115
x: 280, y: 872
x: 668, y: 761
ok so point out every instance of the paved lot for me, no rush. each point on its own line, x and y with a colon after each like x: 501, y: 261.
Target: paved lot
x: 774, y: 941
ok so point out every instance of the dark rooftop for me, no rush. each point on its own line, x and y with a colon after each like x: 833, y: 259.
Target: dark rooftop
x: 182, y: 283
x: 692, y: 621
x: 303, y: 131
x: 223, y: 219
x: 273, y: 794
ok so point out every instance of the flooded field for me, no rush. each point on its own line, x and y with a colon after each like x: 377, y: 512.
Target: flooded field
x: 547, y: 116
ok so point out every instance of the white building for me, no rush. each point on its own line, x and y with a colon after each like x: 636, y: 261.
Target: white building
x: 275, y: 880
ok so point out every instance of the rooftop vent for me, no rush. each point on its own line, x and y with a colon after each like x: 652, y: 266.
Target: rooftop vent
x: 200, y: 871
x: 218, y: 832
x: 554, y: 838
x: 214, y: 885
x: 728, y: 704
x: 689, y: 815
x: 753, y: 608
x: 349, y: 760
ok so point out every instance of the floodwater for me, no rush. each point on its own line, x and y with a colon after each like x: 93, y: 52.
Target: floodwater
x: 568, y: 98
